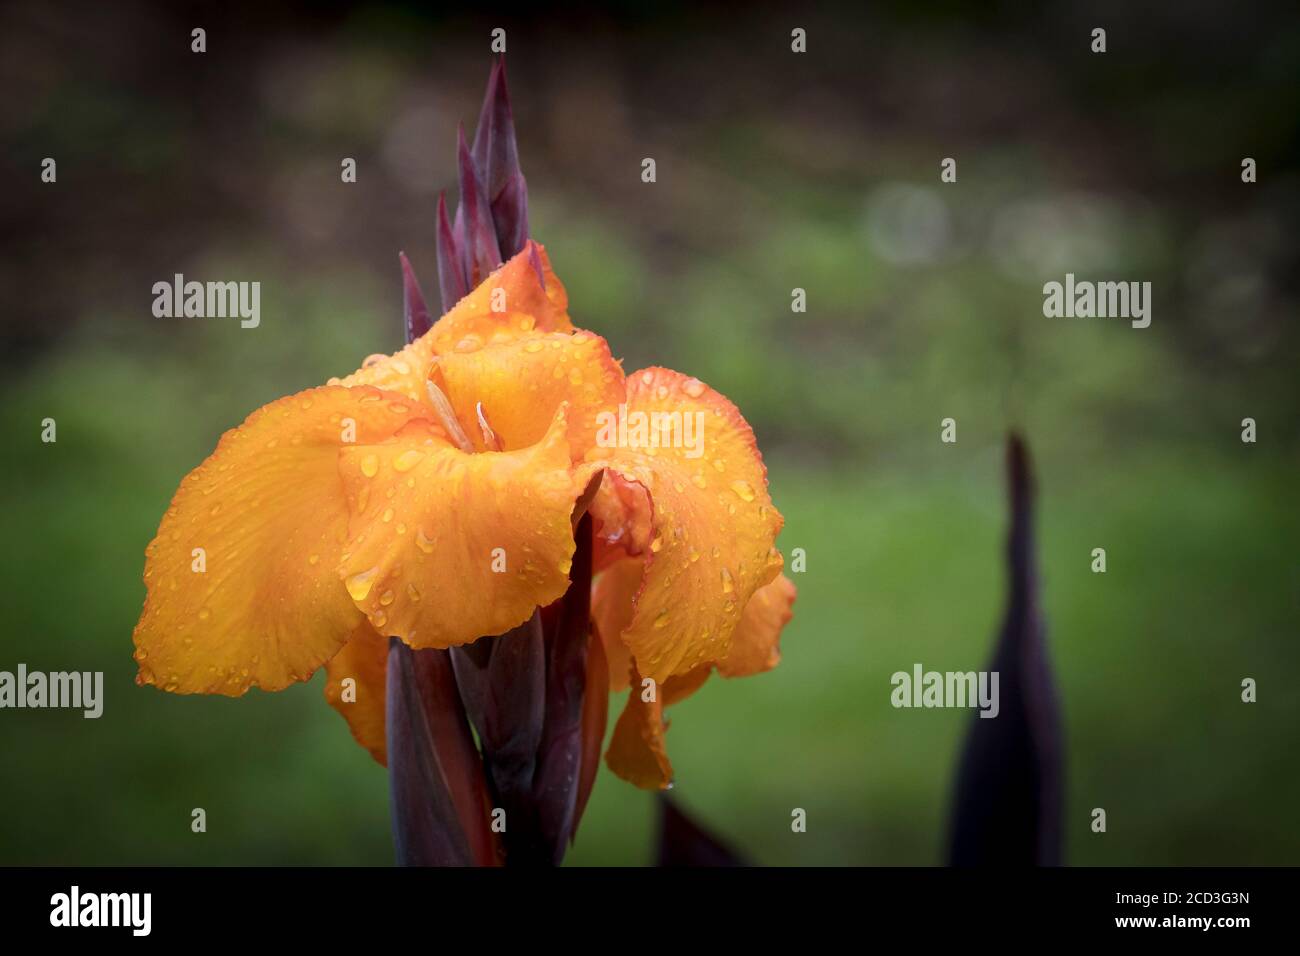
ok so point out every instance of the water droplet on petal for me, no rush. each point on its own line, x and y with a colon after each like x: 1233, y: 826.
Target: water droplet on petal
x: 661, y: 619
x: 728, y: 584
x: 743, y: 489
x: 359, y: 584
x: 370, y: 466
x: 407, y: 460
x: 386, y: 598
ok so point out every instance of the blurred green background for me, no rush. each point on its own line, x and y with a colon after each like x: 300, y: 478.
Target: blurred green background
x: 775, y: 171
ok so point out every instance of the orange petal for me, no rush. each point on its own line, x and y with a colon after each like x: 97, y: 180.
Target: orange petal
x: 515, y: 286
x: 640, y: 752
x: 611, y: 608
x: 713, y: 522
x: 268, y: 511
x: 522, y: 382
x: 403, y: 372
x: 364, y: 661
x: 446, y: 547
x: 636, y: 749
x: 497, y: 301
x: 755, y: 646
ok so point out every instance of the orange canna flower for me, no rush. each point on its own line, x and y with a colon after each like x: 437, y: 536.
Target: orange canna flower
x: 430, y: 496
x: 498, y: 487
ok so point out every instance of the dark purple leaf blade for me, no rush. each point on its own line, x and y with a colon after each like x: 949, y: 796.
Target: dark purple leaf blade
x: 481, y: 254
x: 491, y: 220
x: 1007, y: 810
x: 452, y: 283
x: 683, y: 842
x: 496, y: 157
x: 439, y: 809
x: 510, y: 214
x: 418, y: 320
x: 502, y: 682
x: 559, y: 766
x: 496, y: 154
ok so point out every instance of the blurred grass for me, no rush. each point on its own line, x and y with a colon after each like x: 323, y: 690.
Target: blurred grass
x: 924, y: 301
x: 903, y: 566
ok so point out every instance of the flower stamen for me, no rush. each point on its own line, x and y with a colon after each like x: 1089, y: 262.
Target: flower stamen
x: 490, y: 440
x: 448, y: 415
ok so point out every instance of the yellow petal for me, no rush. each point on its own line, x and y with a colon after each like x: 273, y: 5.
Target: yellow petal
x: 446, y: 547
x: 364, y: 661
x: 522, y: 382
x: 242, y: 588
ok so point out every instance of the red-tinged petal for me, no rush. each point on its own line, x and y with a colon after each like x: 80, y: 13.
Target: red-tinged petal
x: 611, y: 609
x: 364, y: 662
x: 260, y: 604
x: 713, y: 522
x: 446, y: 547
x: 521, y: 383
x: 624, y: 521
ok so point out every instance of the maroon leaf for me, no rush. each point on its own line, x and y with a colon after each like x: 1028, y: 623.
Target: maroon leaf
x: 496, y: 157
x: 480, y: 253
x: 510, y: 214
x: 451, y: 277
x: 502, y: 682
x: 1008, y: 796
x: 438, y: 801
x: 559, y: 767
x: 683, y: 842
x: 495, y: 152
x: 418, y: 320
x: 491, y: 220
